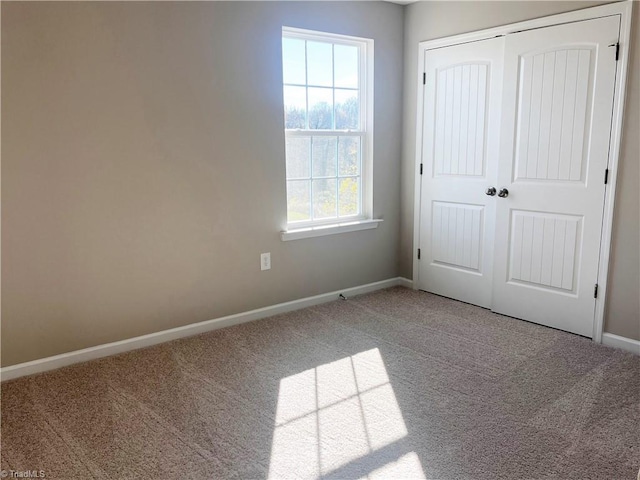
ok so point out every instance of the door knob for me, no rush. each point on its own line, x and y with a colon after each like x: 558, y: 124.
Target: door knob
x: 503, y: 193
x: 491, y: 191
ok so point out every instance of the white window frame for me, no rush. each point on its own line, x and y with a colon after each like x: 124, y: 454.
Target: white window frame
x: 363, y: 220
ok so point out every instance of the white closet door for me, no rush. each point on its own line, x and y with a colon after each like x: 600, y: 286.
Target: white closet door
x: 460, y: 140
x: 556, y: 121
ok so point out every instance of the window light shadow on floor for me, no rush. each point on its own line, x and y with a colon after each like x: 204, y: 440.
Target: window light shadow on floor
x: 341, y: 419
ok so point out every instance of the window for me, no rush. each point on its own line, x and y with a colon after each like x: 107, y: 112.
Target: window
x: 328, y: 127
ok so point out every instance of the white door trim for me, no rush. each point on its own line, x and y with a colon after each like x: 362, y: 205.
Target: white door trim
x: 624, y: 9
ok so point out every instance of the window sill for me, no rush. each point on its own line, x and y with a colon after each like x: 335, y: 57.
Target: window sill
x: 332, y: 229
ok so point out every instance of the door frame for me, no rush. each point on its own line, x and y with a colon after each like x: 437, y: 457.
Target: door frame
x: 624, y: 10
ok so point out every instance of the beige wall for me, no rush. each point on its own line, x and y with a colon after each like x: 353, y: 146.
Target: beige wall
x: 143, y: 167
x: 429, y: 20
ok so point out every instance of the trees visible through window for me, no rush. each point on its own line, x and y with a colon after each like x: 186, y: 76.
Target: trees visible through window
x: 326, y: 126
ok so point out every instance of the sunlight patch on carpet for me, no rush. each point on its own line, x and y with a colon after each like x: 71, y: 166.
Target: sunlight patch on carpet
x: 335, y: 418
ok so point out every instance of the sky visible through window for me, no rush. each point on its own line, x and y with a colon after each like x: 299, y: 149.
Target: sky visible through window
x: 326, y: 76
x: 321, y: 66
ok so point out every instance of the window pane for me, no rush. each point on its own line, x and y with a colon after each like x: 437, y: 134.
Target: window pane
x: 298, y: 205
x: 324, y: 156
x: 320, y: 108
x: 320, y: 64
x: 324, y: 198
x: 298, y: 154
x: 349, y: 156
x: 347, y: 109
x: 346, y: 65
x: 349, y: 195
x: 295, y: 107
x: 293, y: 64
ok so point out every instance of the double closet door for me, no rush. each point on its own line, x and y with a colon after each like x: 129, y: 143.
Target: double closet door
x: 515, y: 143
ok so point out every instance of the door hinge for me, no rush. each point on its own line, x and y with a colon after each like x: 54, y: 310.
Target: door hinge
x: 606, y: 176
x: 617, y: 45
x: 420, y: 169
x: 424, y: 78
x: 595, y: 291
x: 418, y: 254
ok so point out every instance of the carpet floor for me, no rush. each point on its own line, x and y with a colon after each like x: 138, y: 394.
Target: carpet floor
x: 393, y: 384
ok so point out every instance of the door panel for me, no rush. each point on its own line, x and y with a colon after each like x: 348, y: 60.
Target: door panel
x: 544, y: 250
x: 552, y: 109
x: 460, y: 142
x: 457, y: 235
x: 557, y: 104
x: 460, y: 120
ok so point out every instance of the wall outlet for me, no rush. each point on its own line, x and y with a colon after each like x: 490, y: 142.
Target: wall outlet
x: 265, y: 261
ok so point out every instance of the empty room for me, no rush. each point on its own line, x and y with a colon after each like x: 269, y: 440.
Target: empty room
x: 320, y: 240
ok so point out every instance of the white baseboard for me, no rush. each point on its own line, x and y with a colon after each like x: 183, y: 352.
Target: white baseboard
x: 107, y: 349
x: 405, y: 282
x: 623, y: 343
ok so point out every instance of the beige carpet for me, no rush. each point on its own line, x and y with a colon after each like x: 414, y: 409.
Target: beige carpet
x: 394, y: 384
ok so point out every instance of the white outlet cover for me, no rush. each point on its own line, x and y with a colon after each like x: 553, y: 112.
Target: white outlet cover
x: 265, y: 261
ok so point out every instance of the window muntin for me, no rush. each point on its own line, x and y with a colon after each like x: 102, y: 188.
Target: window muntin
x: 327, y: 129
